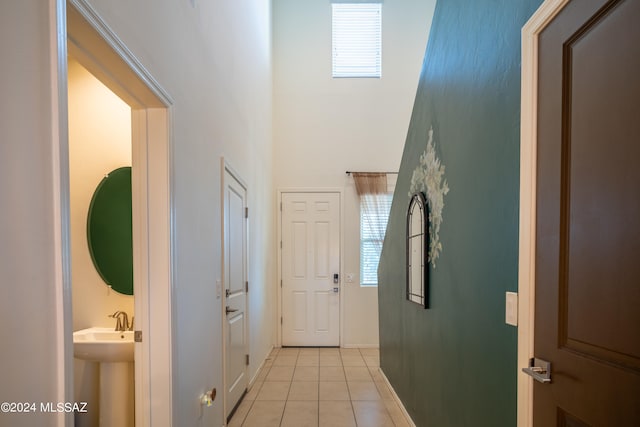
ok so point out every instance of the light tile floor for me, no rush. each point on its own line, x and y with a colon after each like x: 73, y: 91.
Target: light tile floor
x: 319, y: 387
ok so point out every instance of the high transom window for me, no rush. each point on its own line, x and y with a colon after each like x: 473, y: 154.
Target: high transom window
x: 357, y: 39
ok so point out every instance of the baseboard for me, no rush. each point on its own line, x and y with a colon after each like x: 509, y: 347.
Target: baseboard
x: 255, y: 376
x: 397, y: 399
x: 360, y: 346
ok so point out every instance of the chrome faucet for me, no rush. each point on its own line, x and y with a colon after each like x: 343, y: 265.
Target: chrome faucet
x: 122, y: 321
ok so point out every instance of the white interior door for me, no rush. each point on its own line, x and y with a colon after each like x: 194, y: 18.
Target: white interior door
x: 310, y: 260
x: 235, y: 287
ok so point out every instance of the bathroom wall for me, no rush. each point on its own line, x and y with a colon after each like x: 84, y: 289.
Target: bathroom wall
x: 99, y: 142
x: 454, y: 364
x: 325, y: 126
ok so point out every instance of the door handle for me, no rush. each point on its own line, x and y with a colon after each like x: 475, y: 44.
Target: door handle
x: 231, y: 310
x: 539, y: 369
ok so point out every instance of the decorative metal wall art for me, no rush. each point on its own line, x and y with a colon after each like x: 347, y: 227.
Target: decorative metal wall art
x: 417, y: 244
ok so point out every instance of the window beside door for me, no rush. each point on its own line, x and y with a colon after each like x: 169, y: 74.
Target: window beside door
x: 374, y: 215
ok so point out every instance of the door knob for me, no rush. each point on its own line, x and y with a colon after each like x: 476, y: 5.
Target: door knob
x: 539, y: 369
x: 231, y: 310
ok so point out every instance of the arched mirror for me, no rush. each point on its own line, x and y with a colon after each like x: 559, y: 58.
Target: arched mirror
x: 418, y: 250
x: 109, y: 230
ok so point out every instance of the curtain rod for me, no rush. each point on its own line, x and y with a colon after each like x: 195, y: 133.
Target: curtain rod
x: 388, y: 173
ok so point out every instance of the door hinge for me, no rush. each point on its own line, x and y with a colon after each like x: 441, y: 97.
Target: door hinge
x: 280, y: 282
x: 137, y: 336
x: 246, y: 286
x: 246, y: 212
x: 227, y: 292
x: 281, y: 320
x: 280, y: 244
x: 280, y: 206
x: 247, y: 359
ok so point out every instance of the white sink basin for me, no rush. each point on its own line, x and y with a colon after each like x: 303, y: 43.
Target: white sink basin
x: 103, y: 345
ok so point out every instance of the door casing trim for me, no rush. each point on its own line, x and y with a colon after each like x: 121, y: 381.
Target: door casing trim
x: 528, y: 164
x: 279, y: 192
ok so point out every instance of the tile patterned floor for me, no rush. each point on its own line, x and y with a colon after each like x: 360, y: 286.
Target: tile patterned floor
x: 319, y: 387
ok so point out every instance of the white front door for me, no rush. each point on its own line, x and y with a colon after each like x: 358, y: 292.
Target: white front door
x: 310, y: 267
x: 235, y: 283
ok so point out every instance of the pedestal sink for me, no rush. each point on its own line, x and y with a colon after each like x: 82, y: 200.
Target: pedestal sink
x: 114, y: 351
x: 103, y: 345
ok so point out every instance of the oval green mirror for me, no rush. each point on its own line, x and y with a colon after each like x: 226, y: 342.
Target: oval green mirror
x: 109, y: 230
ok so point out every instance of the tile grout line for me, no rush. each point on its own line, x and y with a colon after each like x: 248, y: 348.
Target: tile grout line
x: 318, y: 417
x: 253, y: 401
x: 353, y: 410
x: 286, y: 401
x: 289, y: 398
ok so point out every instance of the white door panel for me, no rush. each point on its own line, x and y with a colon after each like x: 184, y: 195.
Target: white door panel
x: 299, y: 241
x: 299, y: 320
x: 322, y: 250
x: 322, y: 312
x: 310, y: 258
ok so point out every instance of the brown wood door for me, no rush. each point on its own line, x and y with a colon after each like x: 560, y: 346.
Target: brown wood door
x: 587, y: 317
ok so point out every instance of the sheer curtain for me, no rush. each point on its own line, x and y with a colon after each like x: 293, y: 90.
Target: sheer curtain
x: 375, y: 204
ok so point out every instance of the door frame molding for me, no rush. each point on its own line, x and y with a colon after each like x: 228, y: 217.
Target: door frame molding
x: 224, y: 168
x: 83, y: 32
x: 527, y: 233
x: 279, y: 192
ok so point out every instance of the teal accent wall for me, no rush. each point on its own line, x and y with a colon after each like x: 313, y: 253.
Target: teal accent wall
x: 454, y: 364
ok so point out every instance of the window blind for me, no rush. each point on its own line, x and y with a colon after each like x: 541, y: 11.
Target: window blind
x: 370, y: 240
x: 357, y: 39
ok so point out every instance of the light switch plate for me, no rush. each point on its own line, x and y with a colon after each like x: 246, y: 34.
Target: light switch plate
x: 511, y: 309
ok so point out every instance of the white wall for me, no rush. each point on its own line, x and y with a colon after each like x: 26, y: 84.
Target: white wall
x: 324, y: 127
x: 30, y: 278
x: 99, y: 142
x: 214, y: 59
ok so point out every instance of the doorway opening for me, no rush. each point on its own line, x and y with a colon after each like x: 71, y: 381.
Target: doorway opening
x: 99, y: 143
x: 90, y: 42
